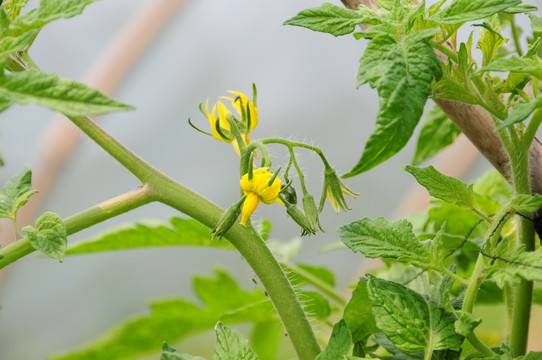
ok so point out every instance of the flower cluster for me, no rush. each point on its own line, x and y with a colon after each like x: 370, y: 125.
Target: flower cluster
x: 221, y: 119
x: 260, y: 185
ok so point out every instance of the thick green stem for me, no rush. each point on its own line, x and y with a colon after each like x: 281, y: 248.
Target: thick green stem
x: 83, y: 220
x: 521, y: 312
x: 258, y: 256
x: 244, y: 239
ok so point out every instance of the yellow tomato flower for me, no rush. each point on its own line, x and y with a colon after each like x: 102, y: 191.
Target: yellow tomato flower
x: 258, y: 190
x: 334, y: 190
x: 218, y: 118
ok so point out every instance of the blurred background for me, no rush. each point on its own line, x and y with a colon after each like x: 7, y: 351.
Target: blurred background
x: 306, y: 92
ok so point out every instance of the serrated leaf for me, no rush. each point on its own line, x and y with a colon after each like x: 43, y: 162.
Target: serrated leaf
x: 380, y: 238
x: 461, y: 11
x: 13, y: 44
x: 169, y: 353
x: 48, y: 11
x: 445, y: 287
x: 402, y: 72
x: 13, y: 7
x: 396, y: 354
x: 520, y: 113
x: 49, y: 236
x: 150, y: 233
x: 175, y: 319
x: 358, y: 313
x: 339, y: 344
x: 412, y: 322
x: 437, y: 132
x: 16, y: 193
x: 331, y: 19
x: 443, y: 187
x: 517, y: 263
x: 231, y: 345
x: 525, y: 204
x: 66, y: 96
x: 466, y: 323
x: 516, y: 65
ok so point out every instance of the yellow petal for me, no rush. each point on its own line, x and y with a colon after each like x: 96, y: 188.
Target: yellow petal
x: 222, y: 113
x: 250, y: 204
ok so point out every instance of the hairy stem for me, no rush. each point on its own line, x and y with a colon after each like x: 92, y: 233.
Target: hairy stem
x: 83, y: 220
x: 521, y: 311
x: 245, y: 239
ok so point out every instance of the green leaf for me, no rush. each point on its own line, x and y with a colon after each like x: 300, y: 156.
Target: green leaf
x: 402, y: 72
x: 48, y: 11
x: 173, y: 320
x: 533, y: 355
x: 522, y: 8
x: 5, y: 103
x: 151, y: 233
x: 13, y: 7
x: 320, y: 272
x: 443, y: 187
x: 525, y: 204
x: 339, y: 344
x: 331, y: 19
x: 536, y: 23
x: 169, y: 353
x: 358, y: 314
x: 412, y: 322
x: 49, y: 236
x: 231, y: 345
x: 13, y: 44
x: 16, y: 193
x: 314, y: 304
x: 437, y: 132
x: 380, y: 238
x: 516, y: 65
x: 265, y: 339
x: 520, y: 113
x: 494, y: 185
x: 517, y: 263
x: 66, y: 96
x: 264, y: 228
x: 466, y: 323
x: 461, y: 11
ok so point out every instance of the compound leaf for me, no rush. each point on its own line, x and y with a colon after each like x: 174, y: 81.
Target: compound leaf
x: 521, y: 112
